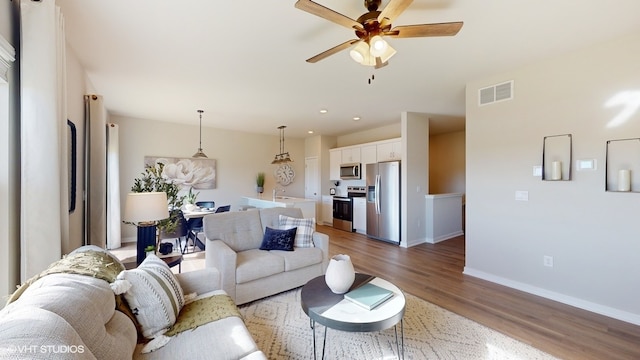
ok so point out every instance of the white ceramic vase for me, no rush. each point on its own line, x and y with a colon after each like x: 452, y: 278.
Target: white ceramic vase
x: 340, y: 274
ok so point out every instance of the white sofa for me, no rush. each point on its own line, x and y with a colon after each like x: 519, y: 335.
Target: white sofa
x: 248, y: 273
x: 72, y: 316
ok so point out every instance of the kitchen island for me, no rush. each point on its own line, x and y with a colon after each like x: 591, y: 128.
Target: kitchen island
x: 308, y: 206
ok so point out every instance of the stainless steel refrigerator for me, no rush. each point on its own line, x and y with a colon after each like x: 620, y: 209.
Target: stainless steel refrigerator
x: 383, y: 201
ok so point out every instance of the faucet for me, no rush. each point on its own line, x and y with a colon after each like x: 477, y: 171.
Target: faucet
x: 275, y: 191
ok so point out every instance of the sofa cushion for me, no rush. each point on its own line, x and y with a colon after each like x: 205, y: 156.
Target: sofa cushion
x: 304, y: 234
x: 227, y: 338
x: 256, y: 264
x: 271, y: 216
x: 155, y: 295
x: 85, y: 304
x: 300, y: 257
x: 34, y: 333
x: 240, y: 230
x: 276, y: 239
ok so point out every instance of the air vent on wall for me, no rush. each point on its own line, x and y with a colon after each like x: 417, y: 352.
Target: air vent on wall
x: 495, y: 93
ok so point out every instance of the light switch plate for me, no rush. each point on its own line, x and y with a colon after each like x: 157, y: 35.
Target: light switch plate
x: 586, y: 164
x: 522, y: 195
x: 537, y: 170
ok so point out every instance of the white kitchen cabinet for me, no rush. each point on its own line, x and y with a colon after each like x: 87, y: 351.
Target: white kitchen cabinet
x: 327, y: 209
x: 389, y: 151
x: 368, y: 155
x: 335, y: 159
x: 360, y: 215
x: 351, y: 155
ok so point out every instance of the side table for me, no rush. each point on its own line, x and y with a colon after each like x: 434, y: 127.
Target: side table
x: 334, y: 311
x: 171, y: 260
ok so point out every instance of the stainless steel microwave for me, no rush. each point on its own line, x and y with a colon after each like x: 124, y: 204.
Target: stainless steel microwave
x: 350, y: 171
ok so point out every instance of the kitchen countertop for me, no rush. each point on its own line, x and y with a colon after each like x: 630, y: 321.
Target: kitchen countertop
x: 308, y: 206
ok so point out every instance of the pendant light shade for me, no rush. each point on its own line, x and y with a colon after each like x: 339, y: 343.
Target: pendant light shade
x: 199, y: 153
x: 282, y: 157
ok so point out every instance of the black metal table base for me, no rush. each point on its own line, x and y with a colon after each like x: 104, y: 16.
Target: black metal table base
x: 400, y: 351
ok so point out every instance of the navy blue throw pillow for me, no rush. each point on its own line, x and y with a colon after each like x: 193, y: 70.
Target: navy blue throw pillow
x: 275, y: 239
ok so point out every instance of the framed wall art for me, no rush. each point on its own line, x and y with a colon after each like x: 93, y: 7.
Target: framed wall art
x: 187, y: 172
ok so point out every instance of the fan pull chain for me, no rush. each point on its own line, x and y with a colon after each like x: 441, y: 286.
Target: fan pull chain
x: 373, y: 77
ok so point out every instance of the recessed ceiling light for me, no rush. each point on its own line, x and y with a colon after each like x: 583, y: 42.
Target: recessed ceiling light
x: 310, y: 132
x: 356, y: 118
x: 323, y: 111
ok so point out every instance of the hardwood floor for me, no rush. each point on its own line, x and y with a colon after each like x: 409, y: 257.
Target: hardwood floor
x: 434, y: 273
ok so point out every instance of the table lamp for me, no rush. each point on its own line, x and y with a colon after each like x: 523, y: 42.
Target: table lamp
x: 145, y: 209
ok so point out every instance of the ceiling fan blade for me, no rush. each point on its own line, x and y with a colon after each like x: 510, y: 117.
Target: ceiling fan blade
x: 328, y: 14
x: 333, y: 50
x: 424, y: 30
x: 393, y: 9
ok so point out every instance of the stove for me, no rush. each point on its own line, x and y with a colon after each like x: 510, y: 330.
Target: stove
x: 343, y: 208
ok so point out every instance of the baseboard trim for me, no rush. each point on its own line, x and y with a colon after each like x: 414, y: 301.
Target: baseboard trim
x: 444, y: 237
x: 562, y: 298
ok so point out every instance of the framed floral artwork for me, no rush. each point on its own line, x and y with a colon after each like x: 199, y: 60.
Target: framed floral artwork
x: 187, y: 172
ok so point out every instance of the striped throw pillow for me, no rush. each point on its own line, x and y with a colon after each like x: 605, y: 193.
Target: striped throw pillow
x: 304, y: 234
x: 155, y: 296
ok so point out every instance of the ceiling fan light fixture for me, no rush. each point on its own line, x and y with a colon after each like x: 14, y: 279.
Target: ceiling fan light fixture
x: 378, y: 46
x: 388, y: 53
x: 360, y: 52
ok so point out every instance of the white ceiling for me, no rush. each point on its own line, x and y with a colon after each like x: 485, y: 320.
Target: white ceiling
x: 243, y: 62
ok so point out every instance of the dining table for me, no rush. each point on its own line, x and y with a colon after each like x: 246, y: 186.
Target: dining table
x: 197, y: 213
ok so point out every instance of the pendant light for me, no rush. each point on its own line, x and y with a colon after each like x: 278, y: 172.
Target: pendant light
x: 283, y: 157
x: 199, y: 153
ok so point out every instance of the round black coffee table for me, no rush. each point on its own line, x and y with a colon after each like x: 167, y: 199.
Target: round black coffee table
x: 171, y: 260
x: 334, y: 311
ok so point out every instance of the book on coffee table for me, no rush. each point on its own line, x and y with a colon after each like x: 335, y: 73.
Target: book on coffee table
x: 368, y: 296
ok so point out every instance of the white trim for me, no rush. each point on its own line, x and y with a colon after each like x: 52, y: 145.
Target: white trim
x: 7, y: 56
x: 569, y: 300
x: 443, y: 237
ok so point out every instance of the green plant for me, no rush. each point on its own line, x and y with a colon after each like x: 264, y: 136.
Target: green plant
x: 191, y: 197
x: 152, y: 180
x: 260, y: 179
x: 150, y: 248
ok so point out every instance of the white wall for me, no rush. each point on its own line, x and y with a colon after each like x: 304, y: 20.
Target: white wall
x: 77, y: 87
x: 414, y: 178
x: 592, y: 235
x: 239, y: 157
x: 9, y: 168
x: 370, y: 135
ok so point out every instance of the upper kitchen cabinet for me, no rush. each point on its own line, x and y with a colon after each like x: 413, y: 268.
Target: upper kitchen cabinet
x: 335, y: 159
x: 389, y: 151
x: 368, y: 154
x: 351, y: 155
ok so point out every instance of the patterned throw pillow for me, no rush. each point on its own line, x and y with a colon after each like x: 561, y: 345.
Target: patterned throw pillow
x: 275, y: 239
x: 155, y: 296
x: 304, y: 234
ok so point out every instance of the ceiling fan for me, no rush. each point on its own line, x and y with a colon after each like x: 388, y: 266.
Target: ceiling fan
x: 370, y: 48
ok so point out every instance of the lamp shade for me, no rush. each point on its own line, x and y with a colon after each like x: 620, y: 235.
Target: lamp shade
x: 378, y: 46
x: 360, y: 52
x: 146, y: 207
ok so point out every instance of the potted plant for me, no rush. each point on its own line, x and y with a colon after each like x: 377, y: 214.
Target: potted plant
x: 190, y: 198
x: 150, y: 250
x: 260, y: 182
x: 151, y: 180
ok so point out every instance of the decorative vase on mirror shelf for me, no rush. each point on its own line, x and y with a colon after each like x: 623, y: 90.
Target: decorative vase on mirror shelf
x: 340, y: 274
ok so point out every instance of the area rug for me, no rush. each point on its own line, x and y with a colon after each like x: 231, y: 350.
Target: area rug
x: 281, y: 330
